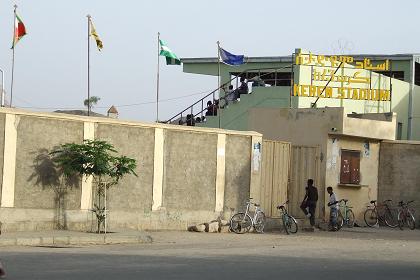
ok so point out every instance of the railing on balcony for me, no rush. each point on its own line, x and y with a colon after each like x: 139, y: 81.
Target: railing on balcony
x: 199, y: 110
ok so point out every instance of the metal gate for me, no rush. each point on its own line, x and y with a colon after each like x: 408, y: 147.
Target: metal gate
x: 275, y: 175
x: 304, y: 165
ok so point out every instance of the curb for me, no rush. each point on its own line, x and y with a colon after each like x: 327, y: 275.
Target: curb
x: 75, y: 240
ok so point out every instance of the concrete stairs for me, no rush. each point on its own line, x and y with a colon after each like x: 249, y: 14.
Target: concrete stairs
x: 235, y: 116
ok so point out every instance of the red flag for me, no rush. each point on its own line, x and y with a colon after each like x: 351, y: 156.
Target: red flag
x: 20, y: 30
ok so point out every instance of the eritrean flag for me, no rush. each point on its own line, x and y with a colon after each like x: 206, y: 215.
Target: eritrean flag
x: 20, y: 30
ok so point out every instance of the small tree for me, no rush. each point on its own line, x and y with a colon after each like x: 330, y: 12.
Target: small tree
x: 89, y: 103
x: 97, y: 159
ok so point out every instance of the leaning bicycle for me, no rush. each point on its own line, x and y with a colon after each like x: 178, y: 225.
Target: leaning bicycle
x: 289, y: 222
x: 345, y: 215
x: 405, y: 215
x: 242, y: 222
x: 381, y: 213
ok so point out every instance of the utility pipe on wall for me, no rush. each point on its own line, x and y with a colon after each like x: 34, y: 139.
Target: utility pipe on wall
x: 410, y: 99
x: 2, y: 87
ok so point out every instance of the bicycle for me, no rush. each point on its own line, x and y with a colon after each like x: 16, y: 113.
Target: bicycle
x: 373, y: 215
x: 242, y: 222
x: 405, y: 216
x: 348, y: 218
x: 289, y: 222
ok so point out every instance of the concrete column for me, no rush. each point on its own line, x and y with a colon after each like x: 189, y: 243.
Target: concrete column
x: 86, y: 199
x: 158, y: 166
x: 9, y: 161
x: 255, y: 182
x: 221, y: 172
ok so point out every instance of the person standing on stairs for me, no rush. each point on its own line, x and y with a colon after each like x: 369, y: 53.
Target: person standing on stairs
x: 243, y: 88
x: 230, y: 96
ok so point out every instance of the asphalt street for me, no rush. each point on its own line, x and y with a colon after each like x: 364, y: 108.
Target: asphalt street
x: 176, y: 255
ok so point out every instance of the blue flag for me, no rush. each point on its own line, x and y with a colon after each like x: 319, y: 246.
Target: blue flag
x: 231, y: 59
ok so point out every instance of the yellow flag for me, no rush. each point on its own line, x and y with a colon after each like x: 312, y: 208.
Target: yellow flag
x: 95, y: 36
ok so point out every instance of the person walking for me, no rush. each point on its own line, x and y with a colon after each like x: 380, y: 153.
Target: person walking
x: 308, y: 204
x: 334, y: 206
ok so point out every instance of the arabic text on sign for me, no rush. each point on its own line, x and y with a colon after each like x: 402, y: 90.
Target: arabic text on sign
x: 339, y: 61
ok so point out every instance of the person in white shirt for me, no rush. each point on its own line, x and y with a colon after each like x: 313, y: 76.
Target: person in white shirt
x: 334, y: 206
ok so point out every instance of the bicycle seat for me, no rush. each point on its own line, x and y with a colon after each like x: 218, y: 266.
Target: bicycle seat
x: 280, y: 207
x: 388, y: 200
x: 372, y: 201
x: 345, y: 200
x: 257, y: 205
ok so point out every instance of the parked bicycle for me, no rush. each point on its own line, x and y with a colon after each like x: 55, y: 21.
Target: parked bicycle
x: 345, y: 215
x: 405, y: 215
x: 289, y: 223
x: 381, y: 213
x: 242, y: 222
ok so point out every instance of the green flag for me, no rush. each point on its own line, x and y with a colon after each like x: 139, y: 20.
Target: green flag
x: 171, y: 58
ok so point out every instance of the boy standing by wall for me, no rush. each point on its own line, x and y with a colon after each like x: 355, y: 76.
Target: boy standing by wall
x: 333, y: 204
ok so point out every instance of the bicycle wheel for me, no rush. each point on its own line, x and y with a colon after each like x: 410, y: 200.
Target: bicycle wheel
x: 340, y: 220
x: 240, y: 223
x: 371, y: 217
x: 401, y: 219
x: 350, y: 218
x: 390, y: 218
x: 411, y: 222
x: 259, y: 222
x: 291, y: 225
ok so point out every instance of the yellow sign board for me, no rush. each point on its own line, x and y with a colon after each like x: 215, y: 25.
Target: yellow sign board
x: 341, y: 77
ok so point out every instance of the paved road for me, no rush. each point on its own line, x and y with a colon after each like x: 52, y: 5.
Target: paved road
x: 359, y: 254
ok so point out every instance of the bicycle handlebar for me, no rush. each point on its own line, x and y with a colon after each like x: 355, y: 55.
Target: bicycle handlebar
x: 282, y: 205
x: 252, y: 203
x: 401, y: 203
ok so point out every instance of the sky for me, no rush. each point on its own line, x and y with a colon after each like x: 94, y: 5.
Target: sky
x: 51, y: 60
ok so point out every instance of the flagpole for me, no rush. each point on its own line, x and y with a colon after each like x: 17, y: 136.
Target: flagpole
x: 13, y: 55
x: 218, y: 81
x: 88, y: 64
x: 157, y: 78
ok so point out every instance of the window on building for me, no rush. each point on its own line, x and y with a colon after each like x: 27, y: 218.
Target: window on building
x: 270, y: 77
x: 417, y: 74
x: 350, y: 167
x: 399, y: 75
x: 399, y: 130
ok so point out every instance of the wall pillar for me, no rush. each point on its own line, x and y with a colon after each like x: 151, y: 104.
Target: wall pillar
x: 220, y: 172
x: 86, y: 199
x: 158, y: 166
x: 9, y: 161
x: 255, y: 181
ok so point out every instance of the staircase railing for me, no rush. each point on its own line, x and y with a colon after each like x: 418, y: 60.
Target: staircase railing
x: 181, y: 117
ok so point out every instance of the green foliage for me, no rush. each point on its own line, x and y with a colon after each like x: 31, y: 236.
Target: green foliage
x: 98, y: 159
x: 93, y: 157
x: 93, y: 100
